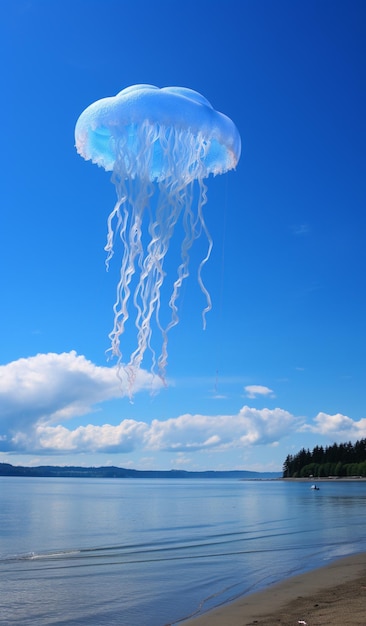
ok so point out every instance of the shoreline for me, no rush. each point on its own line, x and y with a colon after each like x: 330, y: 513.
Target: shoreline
x: 334, y: 594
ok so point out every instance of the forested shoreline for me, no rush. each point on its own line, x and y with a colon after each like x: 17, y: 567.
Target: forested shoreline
x: 337, y: 460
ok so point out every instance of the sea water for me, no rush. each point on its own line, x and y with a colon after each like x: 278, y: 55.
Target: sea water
x: 135, y: 552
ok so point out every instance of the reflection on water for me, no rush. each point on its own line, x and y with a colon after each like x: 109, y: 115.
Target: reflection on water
x: 150, y: 552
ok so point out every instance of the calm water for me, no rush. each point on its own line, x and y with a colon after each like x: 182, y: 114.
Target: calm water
x: 152, y: 552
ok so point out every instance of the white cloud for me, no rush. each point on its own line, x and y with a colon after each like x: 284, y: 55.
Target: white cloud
x: 301, y: 229
x: 39, y: 394
x: 186, y: 433
x: 252, y: 391
x: 51, y: 388
x: 181, y: 459
x: 338, y: 425
x: 124, y: 437
x: 199, y: 432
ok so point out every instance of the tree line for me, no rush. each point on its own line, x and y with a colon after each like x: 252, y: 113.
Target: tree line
x: 338, y: 460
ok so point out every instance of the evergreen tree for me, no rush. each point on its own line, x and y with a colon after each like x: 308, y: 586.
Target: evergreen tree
x: 344, y: 459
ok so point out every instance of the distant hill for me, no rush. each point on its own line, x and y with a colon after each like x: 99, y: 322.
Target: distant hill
x: 51, y: 471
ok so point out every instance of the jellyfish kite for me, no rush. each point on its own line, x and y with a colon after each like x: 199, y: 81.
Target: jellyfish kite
x: 160, y: 144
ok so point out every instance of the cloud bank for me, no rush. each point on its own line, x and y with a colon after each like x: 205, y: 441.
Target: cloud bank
x: 39, y: 394
x: 181, y: 434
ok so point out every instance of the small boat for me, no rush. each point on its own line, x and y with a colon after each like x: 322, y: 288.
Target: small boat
x: 314, y: 487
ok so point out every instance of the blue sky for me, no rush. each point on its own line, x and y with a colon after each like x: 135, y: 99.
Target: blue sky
x: 281, y: 363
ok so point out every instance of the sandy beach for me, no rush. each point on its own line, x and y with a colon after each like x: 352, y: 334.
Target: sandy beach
x: 334, y: 595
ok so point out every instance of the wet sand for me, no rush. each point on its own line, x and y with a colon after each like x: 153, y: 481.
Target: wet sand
x: 334, y: 595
